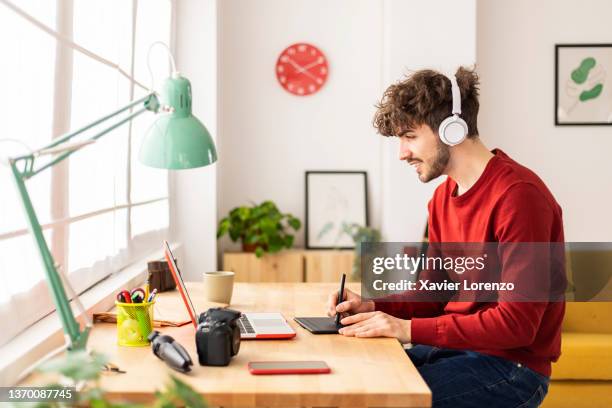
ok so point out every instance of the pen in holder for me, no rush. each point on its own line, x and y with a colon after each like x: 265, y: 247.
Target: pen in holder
x: 134, y: 323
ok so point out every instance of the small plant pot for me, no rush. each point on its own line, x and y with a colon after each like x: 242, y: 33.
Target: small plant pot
x: 251, y: 247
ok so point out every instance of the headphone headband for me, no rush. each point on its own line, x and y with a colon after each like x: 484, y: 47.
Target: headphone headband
x: 453, y: 130
x: 456, y: 94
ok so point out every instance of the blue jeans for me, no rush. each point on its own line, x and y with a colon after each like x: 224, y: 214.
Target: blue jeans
x: 460, y: 378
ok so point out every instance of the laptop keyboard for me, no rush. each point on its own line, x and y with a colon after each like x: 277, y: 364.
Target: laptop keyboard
x: 245, y: 325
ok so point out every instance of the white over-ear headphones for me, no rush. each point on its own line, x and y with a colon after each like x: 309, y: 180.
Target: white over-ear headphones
x: 453, y: 130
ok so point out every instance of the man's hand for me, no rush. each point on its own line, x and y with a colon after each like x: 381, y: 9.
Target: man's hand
x: 353, y: 304
x: 376, y: 324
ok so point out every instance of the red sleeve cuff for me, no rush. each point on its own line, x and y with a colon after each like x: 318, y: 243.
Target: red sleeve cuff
x: 425, y: 331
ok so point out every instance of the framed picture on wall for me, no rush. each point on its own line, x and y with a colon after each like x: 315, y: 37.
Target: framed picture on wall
x: 583, y: 84
x: 334, y: 199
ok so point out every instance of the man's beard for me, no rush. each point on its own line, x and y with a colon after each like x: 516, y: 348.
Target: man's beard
x: 438, y: 164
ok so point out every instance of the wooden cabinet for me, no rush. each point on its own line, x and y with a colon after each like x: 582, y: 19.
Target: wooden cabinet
x: 327, y: 266
x: 290, y: 266
x: 286, y: 266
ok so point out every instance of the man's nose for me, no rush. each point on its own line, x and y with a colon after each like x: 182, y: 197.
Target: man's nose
x: 404, y: 152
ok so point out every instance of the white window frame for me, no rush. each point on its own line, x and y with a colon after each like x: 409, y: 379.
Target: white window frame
x: 138, y: 246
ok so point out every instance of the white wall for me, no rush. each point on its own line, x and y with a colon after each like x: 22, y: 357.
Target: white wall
x: 193, y: 192
x: 438, y: 34
x: 268, y: 138
x: 516, y: 62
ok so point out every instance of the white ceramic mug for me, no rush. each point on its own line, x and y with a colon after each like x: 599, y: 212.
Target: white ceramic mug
x: 218, y: 286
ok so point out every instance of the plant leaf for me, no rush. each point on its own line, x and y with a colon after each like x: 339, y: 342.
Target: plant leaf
x: 294, y: 223
x: 77, y: 365
x: 187, y: 395
x: 276, y: 243
x: 252, y: 239
x: 234, y: 235
x: 288, y: 241
x: 224, y: 226
x: 244, y: 213
x: 98, y: 403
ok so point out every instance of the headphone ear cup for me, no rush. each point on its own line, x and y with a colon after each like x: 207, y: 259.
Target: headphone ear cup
x: 453, y: 130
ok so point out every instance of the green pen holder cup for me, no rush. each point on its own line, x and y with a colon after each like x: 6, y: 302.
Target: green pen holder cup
x: 134, y: 323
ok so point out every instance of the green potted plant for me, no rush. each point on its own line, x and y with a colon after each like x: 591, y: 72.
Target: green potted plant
x: 359, y: 234
x: 260, y: 228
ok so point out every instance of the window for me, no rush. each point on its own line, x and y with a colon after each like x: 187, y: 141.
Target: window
x: 101, y: 210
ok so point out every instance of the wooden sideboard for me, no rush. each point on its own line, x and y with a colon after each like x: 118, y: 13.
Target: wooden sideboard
x: 294, y: 265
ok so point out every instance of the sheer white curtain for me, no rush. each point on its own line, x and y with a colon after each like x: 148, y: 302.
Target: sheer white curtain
x: 102, y: 209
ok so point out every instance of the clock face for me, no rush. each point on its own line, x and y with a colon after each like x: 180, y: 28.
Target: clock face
x: 302, y: 69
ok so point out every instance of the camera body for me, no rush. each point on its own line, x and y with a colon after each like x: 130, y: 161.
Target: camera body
x: 217, y: 336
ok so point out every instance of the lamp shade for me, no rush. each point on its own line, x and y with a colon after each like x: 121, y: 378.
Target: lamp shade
x: 177, y: 140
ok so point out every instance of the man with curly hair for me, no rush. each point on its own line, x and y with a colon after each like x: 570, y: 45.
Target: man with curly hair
x: 471, y: 354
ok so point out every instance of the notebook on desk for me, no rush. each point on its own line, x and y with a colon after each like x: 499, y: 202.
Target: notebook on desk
x: 252, y: 325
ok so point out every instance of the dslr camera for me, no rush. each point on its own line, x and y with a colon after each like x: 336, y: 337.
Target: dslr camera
x: 217, y: 336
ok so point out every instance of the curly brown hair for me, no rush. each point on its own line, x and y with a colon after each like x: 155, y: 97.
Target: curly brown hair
x: 425, y: 97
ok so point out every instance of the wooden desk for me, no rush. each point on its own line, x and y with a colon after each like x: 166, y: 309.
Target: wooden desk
x: 365, y: 372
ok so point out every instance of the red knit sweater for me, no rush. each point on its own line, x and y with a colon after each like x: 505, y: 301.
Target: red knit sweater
x: 508, y: 203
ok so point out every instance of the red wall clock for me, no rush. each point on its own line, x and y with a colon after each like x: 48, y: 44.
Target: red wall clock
x: 302, y: 69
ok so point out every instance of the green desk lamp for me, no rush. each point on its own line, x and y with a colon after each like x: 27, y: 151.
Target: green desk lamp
x: 176, y: 140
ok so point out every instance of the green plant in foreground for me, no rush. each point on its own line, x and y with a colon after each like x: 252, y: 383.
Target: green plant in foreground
x: 262, y: 228
x: 79, y: 367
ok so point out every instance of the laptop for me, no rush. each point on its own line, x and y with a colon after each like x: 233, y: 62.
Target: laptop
x: 252, y: 325
x: 264, y: 326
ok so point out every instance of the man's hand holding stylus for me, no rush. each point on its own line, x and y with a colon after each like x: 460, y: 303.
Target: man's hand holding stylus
x: 352, y: 304
x: 364, y: 321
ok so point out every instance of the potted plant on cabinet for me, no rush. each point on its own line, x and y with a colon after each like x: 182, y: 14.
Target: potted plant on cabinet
x: 359, y: 234
x: 260, y: 228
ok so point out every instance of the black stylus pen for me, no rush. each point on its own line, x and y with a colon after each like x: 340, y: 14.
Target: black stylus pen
x: 340, y: 297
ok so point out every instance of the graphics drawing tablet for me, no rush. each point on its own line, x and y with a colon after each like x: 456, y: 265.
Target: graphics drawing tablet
x: 318, y: 325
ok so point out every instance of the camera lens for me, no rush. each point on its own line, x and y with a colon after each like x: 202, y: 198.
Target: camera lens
x: 235, y: 340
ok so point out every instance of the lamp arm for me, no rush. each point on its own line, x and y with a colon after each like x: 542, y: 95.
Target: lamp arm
x: 64, y: 155
x: 75, y: 338
x: 150, y: 102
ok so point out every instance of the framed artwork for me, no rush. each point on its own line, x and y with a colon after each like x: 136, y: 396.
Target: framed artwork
x: 334, y: 199
x: 583, y: 84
